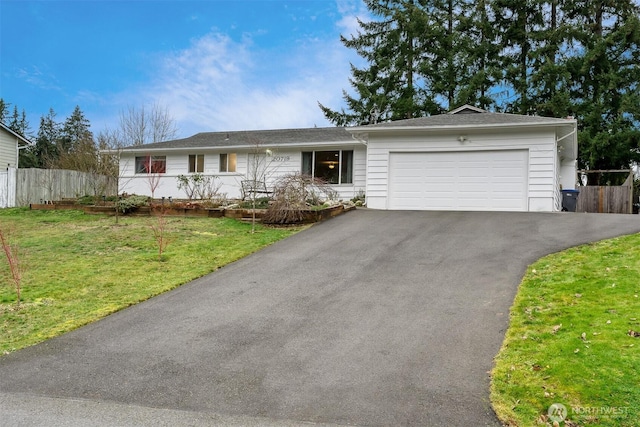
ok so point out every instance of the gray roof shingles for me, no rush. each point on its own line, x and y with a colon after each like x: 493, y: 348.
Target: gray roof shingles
x: 251, y: 138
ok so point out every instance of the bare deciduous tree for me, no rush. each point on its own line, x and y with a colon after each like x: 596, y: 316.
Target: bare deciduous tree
x: 13, y: 259
x: 259, y: 172
x: 142, y: 125
x: 159, y: 229
x: 111, y: 145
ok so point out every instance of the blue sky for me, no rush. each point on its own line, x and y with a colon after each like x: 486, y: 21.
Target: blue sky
x: 215, y: 65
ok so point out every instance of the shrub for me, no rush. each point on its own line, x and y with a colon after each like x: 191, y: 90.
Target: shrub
x: 199, y: 186
x: 293, y: 195
x: 94, y: 200
x: 359, y: 197
x: 128, y: 204
x: 86, y: 200
x: 261, y: 203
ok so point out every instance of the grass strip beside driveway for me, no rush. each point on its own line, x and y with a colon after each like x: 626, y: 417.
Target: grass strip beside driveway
x: 574, y: 340
x: 79, y: 268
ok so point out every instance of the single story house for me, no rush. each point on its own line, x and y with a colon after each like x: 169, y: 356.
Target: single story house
x: 467, y: 159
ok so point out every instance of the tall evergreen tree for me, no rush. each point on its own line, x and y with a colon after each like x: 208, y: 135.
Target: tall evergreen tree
x: 517, y: 22
x: 606, y: 82
x: 46, y: 140
x: 75, y: 131
x: 389, y: 88
x: 550, y: 79
x: 4, y: 111
x: 453, y: 54
x: 423, y: 57
x: 478, y: 44
x: 18, y: 122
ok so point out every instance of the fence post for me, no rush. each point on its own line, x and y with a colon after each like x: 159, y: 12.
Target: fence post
x: 11, y: 187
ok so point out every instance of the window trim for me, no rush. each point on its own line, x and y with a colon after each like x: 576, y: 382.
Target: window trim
x: 149, y: 165
x: 195, y: 158
x: 230, y: 162
x: 340, y: 166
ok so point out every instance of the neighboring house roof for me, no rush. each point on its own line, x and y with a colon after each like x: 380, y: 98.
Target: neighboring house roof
x: 467, y: 109
x: 17, y: 135
x: 248, y: 139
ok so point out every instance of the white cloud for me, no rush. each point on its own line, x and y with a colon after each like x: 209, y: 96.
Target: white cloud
x: 351, y: 11
x: 219, y: 84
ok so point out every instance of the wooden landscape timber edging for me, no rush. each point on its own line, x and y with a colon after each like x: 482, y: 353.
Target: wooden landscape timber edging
x: 606, y: 198
x: 310, y: 216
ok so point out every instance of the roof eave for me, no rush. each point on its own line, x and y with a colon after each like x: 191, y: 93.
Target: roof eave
x: 141, y: 149
x: 17, y: 135
x: 434, y: 128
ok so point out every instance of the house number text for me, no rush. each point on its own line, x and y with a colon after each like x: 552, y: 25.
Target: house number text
x: 281, y: 158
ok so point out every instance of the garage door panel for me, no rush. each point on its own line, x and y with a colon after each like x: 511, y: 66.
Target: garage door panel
x: 475, y: 180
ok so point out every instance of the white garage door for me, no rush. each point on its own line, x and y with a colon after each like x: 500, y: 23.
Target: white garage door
x: 465, y: 181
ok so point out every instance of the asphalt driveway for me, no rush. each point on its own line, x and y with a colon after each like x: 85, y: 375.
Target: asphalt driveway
x: 373, y: 318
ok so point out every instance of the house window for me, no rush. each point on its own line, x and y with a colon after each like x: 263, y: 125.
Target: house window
x: 228, y: 162
x: 196, y: 163
x: 334, y: 167
x: 151, y: 164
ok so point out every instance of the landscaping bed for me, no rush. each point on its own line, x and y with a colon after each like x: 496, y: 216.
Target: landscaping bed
x: 194, y: 210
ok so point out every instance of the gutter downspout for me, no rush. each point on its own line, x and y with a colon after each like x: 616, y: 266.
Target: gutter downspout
x: 358, y: 137
x: 573, y: 132
x: 18, y: 151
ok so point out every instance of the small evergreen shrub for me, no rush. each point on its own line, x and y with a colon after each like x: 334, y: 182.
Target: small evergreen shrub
x: 128, y: 204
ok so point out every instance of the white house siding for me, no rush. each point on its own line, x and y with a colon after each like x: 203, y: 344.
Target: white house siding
x: 283, y: 161
x: 8, y: 150
x: 540, y: 144
x: 568, y: 176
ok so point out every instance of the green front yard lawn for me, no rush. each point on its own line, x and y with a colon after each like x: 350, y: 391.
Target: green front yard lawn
x: 574, y: 340
x: 79, y: 268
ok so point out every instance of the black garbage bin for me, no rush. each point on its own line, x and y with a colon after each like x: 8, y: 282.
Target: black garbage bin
x: 570, y: 200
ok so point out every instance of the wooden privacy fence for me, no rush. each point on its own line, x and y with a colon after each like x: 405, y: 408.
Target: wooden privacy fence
x: 8, y: 188
x: 606, y: 199
x: 43, y: 185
